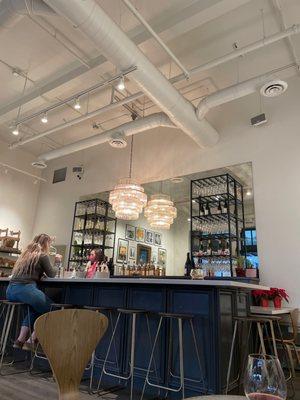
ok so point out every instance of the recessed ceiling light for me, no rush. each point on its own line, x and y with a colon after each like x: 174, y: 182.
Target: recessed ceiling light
x: 39, y: 164
x: 248, y: 193
x: 189, y: 219
x: 44, y: 118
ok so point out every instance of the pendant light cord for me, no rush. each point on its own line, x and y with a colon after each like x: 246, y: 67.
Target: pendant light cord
x: 130, y: 162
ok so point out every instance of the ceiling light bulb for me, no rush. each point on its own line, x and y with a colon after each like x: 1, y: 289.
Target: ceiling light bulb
x: 44, y: 118
x: 121, y: 83
x: 248, y: 193
x: 15, y: 130
x: 77, y: 105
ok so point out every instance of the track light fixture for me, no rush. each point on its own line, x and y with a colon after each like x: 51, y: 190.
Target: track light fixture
x: 44, y: 118
x: 15, y: 130
x: 77, y: 105
x: 121, y: 83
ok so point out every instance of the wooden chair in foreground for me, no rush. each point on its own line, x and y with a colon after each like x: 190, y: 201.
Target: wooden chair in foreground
x: 68, y: 338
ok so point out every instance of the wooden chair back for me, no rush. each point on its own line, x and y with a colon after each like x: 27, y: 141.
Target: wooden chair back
x: 68, y: 338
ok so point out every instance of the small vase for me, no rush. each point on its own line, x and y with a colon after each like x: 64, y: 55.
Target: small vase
x: 264, y: 302
x: 277, y: 302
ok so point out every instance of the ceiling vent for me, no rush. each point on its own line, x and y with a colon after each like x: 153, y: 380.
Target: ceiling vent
x: 39, y: 164
x: 273, y: 88
x: 118, y: 141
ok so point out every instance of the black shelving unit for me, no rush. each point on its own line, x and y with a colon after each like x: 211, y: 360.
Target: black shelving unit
x: 217, y: 220
x: 94, y: 226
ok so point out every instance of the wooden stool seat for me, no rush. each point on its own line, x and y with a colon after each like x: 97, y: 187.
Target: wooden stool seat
x: 68, y: 338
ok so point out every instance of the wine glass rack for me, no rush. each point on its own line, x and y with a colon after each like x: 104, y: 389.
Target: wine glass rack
x: 94, y: 227
x: 217, y: 222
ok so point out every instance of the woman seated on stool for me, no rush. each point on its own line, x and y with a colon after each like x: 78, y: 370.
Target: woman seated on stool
x: 95, y: 259
x: 32, y: 264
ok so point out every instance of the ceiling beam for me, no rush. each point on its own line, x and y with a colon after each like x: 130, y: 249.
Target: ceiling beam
x: 168, y: 19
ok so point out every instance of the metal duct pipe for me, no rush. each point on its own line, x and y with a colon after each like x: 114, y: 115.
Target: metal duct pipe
x: 128, y: 129
x: 91, y: 20
x: 11, y: 11
x: 232, y: 93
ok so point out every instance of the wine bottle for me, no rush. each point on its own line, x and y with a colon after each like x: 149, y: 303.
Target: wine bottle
x: 225, y: 207
x: 188, y: 265
x: 202, y: 211
x: 207, y: 209
x: 220, y: 208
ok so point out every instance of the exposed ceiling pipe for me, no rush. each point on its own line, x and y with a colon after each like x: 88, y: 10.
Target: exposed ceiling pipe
x: 128, y: 129
x: 293, y: 30
x: 234, y: 92
x: 21, y: 171
x: 135, y: 12
x: 91, y: 20
x: 11, y: 11
x: 75, y: 121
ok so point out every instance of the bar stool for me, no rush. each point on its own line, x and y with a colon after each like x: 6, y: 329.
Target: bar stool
x: 133, y: 315
x: 12, y: 312
x: 180, y: 318
x: 96, y: 361
x: 39, y: 354
x: 261, y: 322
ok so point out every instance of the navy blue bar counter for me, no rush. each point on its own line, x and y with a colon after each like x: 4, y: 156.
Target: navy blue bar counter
x: 212, y: 302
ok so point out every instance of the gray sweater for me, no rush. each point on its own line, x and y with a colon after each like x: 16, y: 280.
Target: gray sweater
x: 43, y: 266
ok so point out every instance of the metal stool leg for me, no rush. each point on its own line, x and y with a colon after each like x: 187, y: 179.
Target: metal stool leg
x: 231, y: 356
x: 132, y: 356
x: 107, y: 353
x: 10, y: 312
x: 151, y: 358
x: 198, y: 353
x: 261, y: 338
x: 181, y: 363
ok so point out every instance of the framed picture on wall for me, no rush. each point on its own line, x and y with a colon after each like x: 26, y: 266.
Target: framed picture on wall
x: 122, y: 252
x: 162, y: 257
x: 143, y: 254
x: 132, y: 253
x: 154, y: 255
x: 149, y: 237
x: 157, y: 239
x: 130, y: 232
x: 140, y: 234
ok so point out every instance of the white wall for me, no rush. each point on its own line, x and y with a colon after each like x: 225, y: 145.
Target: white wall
x: 18, y: 193
x: 272, y: 148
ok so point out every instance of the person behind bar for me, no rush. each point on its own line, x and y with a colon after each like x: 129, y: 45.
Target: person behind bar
x: 32, y: 264
x: 95, y: 259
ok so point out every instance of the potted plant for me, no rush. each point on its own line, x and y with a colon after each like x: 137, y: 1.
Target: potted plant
x: 261, y: 297
x: 250, y: 271
x: 277, y: 295
x: 240, y: 264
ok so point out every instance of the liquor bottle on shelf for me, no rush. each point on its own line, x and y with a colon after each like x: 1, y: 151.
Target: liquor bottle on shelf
x: 188, y: 265
x: 220, y: 208
x: 225, y: 207
x: 207, y: 209
x: 202, y: 211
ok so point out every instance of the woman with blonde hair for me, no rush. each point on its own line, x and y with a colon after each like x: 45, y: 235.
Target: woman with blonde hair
x: 32, y: 264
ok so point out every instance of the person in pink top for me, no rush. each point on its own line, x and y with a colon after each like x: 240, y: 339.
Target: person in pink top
x: 95, y: 259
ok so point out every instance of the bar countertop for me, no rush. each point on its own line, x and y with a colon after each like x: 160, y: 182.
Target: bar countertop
x: 153, y: 281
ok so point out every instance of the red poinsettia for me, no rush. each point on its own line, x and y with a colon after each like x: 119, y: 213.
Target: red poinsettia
x: 276, y: 292
x: 260, y: 294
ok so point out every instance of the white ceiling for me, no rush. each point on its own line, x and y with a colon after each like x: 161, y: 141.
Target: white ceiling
x: 197, y: 31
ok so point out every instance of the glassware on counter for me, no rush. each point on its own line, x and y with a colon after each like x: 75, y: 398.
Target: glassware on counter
x: 264, y: 378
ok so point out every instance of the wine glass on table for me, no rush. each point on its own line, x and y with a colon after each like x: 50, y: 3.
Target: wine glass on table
x: 264, y: 378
